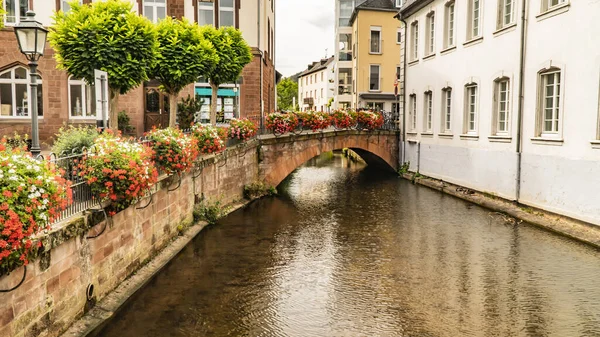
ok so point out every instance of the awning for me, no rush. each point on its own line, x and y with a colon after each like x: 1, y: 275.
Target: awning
x: 385, y: 97
x: 220, y: 93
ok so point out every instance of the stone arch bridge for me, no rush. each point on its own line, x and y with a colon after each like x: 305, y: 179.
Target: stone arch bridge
x: 279, y: 156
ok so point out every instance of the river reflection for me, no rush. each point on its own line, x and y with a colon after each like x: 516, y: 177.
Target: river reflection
x: 348, y: 251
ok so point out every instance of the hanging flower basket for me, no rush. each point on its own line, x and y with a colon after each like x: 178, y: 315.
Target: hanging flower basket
x: 118, y: 170
x: 208, y: 139
x: 32, y: 195
x: 173, y: 151
x: 281, y: 123
x: 369, y: 120
x: 343, y: 119
x: 241, y: 129
x: 315, y: 121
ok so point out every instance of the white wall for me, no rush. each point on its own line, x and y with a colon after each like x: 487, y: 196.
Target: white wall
x: 317, y: 85
x: 562, y: 177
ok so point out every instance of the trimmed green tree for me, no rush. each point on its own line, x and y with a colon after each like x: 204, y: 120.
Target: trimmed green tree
x: 233, y: 53
x: 287, y: 89
x: 183, y: 55
x: 2, y: 13
x: 109, y: 36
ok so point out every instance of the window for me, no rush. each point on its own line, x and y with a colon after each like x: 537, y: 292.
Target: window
x: 374, y: 78
x: 474, y: 19
x: 471, y: 102
x: 377, y: 106
x: 415, y: 41
x: 206, y: 13
x: 449, y: 28
x: 15, y: 93
x: 321, y: 92
x: 15, y: 11
x: 345, y: 45
x: 428, y: 118
x: 413, y: 113
x: 399, y: 3
x: 549, y: 112
x: 548, y: 4
x: 505, y: 13
x: 398, y: 69
x: 155, y: 10
x: 345, y: 81
x: 501, y: 106
x: 226, y: 13
x: 82, y: 99
x: 375, y: 40
x: 322, y: 76
x: 447, y: 110
x: 64, y: 5
x: 346, y: 8
x: 430, y: 36
x: 399, y: 36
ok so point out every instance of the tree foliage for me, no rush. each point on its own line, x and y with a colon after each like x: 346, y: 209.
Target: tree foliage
x: 2, y: 13
x: 233, y: 55
x: 109, y: 36
x: 183, y: 55
x: 287, y: 89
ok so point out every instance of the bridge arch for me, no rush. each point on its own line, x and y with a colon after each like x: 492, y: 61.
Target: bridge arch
x: 280, y: 156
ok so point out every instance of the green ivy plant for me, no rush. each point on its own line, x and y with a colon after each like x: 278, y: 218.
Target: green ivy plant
x: 109, y: 36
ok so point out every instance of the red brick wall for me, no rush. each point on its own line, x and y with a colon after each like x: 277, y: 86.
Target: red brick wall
x: 250, y: 88
x: 53, y: 295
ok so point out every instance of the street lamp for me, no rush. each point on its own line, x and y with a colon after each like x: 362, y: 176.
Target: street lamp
x: 31, y: 36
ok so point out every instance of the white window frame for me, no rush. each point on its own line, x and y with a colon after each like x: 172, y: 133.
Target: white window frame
x: 428, y: 112
x: 26, y: 81
x: 506, y: 10
x: 414, y: 41
x: 380, y: 42
x: 446, y: 110
x: 85, y: 89
x: 497, y: 109
x: 399, y: 36
x: 430, y: 34
x: 557, y: 103
x: 449, y: 27
x: 378, y: 77
x: 155, y: 5
x: 548, y: 5
x: 16, y: 8
x: 64, y: 4
x: 207, y: 6
x: 474, y: 19
x: 227, y: 9
x: 471, y: 115
x: 413, y: 112
x: 399, y: 3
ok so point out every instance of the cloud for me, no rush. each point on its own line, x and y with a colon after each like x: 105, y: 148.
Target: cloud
x: 304, y: 31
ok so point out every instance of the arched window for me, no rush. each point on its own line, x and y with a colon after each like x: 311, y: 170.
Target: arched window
x: 15, y: 93
x: 82, y: 99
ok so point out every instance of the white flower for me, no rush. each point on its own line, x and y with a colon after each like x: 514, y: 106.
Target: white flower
x: 12, y: 171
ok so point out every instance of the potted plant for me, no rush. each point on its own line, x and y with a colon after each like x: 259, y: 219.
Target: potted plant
x: 281, y: 123
x: 208, y: 139
x: 173, y: 152
x: 241, y: 129
x: 343, y: 119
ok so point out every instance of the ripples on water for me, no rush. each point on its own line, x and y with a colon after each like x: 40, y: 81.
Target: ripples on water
x: 347, y: 251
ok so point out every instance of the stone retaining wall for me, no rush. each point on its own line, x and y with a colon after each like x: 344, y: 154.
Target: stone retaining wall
x: 53, y: 295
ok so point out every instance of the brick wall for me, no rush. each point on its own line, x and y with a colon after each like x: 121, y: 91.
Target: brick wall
x: 54, y: 292
x: 250, y: 88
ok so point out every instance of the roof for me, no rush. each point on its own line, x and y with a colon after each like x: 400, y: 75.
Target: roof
x: 374, y: 5
x: 411, y: 6
x: 316, y: 66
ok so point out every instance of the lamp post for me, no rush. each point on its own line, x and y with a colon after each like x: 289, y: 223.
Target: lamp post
x: 31, y: 36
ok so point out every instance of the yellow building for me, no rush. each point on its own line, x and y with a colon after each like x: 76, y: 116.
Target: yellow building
x: 376, y: 55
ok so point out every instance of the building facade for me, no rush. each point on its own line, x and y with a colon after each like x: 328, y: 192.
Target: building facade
x: 65, y: 100
x: 505, y: 103
x: 316, y: 86
x: 344, y: 45
x: 376, y: 58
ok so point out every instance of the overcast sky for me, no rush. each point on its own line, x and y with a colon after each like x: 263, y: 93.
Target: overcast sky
x: 304, y: 29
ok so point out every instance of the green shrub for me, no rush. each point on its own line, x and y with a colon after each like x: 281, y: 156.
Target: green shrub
x: 125, y: 123
x: 17, y: 141
x: 186, y: 111
x: 73, y: 139
x: 257, y: 190
x: 210, y: 212
x: 404, y: 168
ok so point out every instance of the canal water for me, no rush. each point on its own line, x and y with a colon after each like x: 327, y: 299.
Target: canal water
x: 349, y: 251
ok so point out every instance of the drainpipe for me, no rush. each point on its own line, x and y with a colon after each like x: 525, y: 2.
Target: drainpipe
x: 262, y: 105
x: 404, y: 96
x: 520, y: 106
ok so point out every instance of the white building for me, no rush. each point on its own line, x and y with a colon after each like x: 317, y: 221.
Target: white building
x: 466, y: 123
x: 316, y: 86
